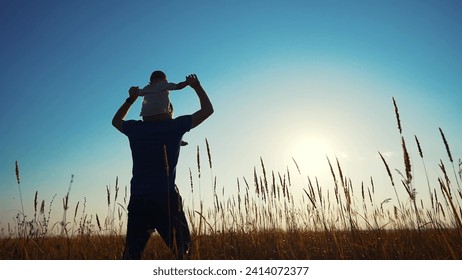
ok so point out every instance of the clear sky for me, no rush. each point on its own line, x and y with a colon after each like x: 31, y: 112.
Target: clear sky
x: 302, y: 79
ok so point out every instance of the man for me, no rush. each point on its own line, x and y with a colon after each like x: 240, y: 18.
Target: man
x: 154, y: 199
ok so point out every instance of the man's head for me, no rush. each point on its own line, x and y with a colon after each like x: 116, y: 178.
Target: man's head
x: 158, y: 76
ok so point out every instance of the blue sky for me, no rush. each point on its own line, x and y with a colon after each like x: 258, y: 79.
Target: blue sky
x: 301, y: 79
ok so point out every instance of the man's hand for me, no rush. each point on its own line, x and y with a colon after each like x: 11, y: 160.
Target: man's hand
x: 193, y: 81
x: 206, y: 107
x: 118, y: 119
x: 134, y: 93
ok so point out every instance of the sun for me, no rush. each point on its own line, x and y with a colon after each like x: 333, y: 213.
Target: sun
x: 310, y: 153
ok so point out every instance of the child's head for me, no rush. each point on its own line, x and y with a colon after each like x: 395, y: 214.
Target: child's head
x: 158, y: 76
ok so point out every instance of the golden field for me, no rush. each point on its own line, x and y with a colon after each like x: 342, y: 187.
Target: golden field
x: 265, y: 219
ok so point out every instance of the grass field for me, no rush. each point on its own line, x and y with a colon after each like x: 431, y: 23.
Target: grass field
x: 264, y: 220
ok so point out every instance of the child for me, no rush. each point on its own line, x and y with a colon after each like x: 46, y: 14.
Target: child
x: 156, y: 100
x: 156, y: 94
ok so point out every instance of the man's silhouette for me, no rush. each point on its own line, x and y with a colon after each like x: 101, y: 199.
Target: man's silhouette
x: 154, y: 199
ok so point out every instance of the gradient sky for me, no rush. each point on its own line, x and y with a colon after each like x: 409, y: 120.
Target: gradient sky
x: 302, y: 79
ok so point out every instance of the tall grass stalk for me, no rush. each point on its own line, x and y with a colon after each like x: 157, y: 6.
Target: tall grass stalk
x: 66, y: 207
x: 446, y: 145
x: 22, y: 219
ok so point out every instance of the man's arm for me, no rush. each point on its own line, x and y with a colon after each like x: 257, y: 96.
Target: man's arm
x: 206, y: 106
x: 119, y: 117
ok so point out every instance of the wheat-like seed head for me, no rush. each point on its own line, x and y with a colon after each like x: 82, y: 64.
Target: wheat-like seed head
x: 35, y: 202
x: 288, y: 176
x: 418, y: 146
x: 370, y: 196
x: 17, y: 172
x: 42, y: 207
x: 340, y: 172
x: 108, y: 195
x: 362, y: 191
x: 442, y: 210
x: 191, y: 180
x: 397, y: 116
x: 198, y: 163
x: 76, y: 209
x: 446, y: 177
x: 98, y: 223
x: 296, y: 165
x: 208, y: 153
x: 273, y: 185
x: 407, y: 161
x: 388, y: 169
x: 446, y: 145
x: 116, y: 189
x: 66, y: 202
x: 255, y: 180
x: 125, y: 195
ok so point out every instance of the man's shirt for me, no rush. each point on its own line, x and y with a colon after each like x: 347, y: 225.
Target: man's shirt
x: 155, y: 150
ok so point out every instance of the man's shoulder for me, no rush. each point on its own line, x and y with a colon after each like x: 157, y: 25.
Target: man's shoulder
x: 132, y: 122
x: 181, y: 124
x: 184, y: 118
x: 129, y: 125
x: 184, y: 122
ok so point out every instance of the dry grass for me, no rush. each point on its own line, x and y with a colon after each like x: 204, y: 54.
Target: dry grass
x: 275, y: 218
x: 434, y: 244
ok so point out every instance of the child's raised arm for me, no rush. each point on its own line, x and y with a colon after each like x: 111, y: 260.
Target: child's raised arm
x: 182, y: 85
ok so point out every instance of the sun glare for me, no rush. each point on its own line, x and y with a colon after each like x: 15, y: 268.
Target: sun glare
x: 310, y: 153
